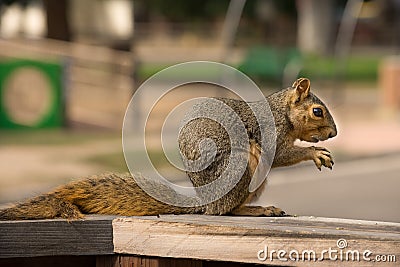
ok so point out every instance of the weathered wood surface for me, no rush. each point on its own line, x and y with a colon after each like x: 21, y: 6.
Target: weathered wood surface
x: 137, y: 261
x: 215, y: 238
x: 239, y: 239
x: 56, y: 237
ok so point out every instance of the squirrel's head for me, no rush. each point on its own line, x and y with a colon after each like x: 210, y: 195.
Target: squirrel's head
x: 309, y: 116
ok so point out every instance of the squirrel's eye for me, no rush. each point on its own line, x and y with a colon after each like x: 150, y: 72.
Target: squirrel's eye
x: 317, y: 112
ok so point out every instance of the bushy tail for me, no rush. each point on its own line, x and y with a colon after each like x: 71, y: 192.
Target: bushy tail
x: 112, y: 194
x: 46, y: 206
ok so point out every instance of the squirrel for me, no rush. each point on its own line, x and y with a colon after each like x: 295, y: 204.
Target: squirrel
x: 297, y: 114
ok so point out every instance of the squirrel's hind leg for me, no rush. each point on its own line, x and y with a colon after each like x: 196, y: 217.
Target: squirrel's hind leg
x: 270, y: 211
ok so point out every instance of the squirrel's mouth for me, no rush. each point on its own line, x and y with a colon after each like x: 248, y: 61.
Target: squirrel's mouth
x: 316, y: 139
x: 311, y: 139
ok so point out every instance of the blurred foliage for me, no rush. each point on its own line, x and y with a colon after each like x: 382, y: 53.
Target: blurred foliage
x: 285, y: 7
x: 182, y: 10
x: 200, y: 10
x: 21, y: 2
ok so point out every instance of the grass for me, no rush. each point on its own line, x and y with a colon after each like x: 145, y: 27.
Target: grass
x: 113, y: 161
x: 210, y: 71
x: 357, y: 68
x: 116, y: 161
x: 52, y: 137
x: 145, y: 71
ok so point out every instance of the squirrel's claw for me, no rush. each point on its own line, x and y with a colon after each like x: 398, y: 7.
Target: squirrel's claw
x: 322, y: 157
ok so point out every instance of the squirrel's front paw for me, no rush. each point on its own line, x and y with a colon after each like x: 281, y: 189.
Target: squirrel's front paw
x: 322, y: 157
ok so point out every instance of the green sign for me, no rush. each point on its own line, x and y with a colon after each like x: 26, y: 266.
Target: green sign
x: 31, y: 94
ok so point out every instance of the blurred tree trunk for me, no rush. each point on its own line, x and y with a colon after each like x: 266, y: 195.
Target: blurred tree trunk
x: 315, y: 26
x: 57, y: 19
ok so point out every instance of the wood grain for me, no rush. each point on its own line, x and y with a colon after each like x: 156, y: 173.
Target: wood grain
x: 239, y: 239
x: 56, y: 237
x: 127, y: 260
x: 200, y: 240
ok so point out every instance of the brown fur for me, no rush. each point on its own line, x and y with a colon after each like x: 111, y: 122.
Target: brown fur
x: 118, y: 194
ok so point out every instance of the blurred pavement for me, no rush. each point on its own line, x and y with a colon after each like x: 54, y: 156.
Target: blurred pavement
x: 358, y: 189
x: 365, y: 180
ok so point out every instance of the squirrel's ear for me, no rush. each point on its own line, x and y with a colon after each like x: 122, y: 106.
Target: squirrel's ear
x: 302, y: 88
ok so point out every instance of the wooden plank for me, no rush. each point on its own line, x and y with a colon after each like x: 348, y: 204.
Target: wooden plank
x: 240, y: 239
x: 140, y: 261
x: 106, y: 78
x: 53, y: 48
x: 59, y: 261
x: 112, y: 261
x: 177, y: 240
x: 92, y: 236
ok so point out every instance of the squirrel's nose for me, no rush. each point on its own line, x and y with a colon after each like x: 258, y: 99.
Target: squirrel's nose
x: 332, y: 133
